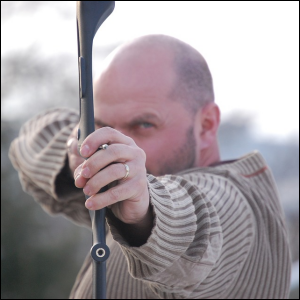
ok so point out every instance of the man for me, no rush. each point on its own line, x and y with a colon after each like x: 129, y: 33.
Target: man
x: 182, y: 224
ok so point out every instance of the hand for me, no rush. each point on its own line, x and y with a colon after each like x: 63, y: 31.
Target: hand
x: 73, y: 156
x: 129, y: 199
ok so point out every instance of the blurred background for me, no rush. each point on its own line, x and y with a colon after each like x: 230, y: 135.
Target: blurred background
x: 252, y: 49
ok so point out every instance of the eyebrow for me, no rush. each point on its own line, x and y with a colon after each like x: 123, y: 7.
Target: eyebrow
x: 136, y: 120
x: 100, y: 123
x: 143, y: 118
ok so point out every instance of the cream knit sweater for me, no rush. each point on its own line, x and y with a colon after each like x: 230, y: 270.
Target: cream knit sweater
x: 219, y: 232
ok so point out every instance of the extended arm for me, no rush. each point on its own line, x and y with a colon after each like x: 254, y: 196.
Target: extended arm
x: 39, y: 154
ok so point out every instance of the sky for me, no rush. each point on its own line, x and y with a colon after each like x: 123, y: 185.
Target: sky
x: 252, y: 48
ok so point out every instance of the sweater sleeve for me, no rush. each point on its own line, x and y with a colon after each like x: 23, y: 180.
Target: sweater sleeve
x: 186, y: 245
x: 39, y: 154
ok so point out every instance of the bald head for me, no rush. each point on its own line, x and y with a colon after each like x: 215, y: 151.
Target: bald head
x: 193, y: 85
x: 152, y: 89
x: 158, y: 56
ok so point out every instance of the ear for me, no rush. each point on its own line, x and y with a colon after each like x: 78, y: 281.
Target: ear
x: 209, y: 123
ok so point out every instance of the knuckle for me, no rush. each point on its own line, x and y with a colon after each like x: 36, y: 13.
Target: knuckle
x: 114, y: 194
x: 118, y: 193
x: 114, y: 171
x: 92, y: 187
x: 131, y: 140
x: 140, y: 157
x: 115, y: 134
x: 141, y: 153
x: 108, y: 130
x: 85, y: 164
x: 115, y: 151
x: 105, y: 129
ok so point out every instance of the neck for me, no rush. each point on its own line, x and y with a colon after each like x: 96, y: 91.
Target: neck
x: 209, y: 155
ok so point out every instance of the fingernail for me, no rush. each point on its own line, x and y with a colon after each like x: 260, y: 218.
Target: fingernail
x: 86, y: 190
x: 77, y: 171
x: 89, y: 204
x: 85, y: 172
x: 75, y: 181
x: 85, y: 150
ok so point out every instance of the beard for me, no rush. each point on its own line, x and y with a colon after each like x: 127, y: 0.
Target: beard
x: 181, y: 157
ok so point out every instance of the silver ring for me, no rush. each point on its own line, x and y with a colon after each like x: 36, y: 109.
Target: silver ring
x: 104, y: 147
x: 127, y: 171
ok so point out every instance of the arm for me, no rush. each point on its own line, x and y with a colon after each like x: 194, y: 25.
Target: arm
x: 183, y: 244
x: 197, y: 244
x: 39, y: 154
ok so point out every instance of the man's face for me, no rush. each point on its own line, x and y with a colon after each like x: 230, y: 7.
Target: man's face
x: 137, y: 103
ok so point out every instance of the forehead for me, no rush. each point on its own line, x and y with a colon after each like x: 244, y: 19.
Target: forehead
x: 149, y: 71
x: 137, y: 83
x: 159, y: 111
x: 123, y: 113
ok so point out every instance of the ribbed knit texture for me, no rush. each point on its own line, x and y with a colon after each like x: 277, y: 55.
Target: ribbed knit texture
x: 219, y: 232
x: 39, y: 154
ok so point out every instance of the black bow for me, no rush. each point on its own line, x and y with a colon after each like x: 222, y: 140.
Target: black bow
x: 90, y: 16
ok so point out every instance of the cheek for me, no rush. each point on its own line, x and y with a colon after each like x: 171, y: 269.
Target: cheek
x: 151, y: 149
x: 158, y: 150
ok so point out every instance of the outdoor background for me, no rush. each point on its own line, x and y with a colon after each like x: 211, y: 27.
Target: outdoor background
x: 252, y: 49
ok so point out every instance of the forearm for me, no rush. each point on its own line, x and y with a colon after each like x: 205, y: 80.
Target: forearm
x: 39, y: 155
x: 186, y: 242
x: 174, y: 229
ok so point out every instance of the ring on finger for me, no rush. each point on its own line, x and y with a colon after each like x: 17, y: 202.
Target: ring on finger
x: 103, y: 147
x: 127, y: 171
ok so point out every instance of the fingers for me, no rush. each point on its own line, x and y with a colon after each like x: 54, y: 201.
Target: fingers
x: 80, y: 181
x: 116, y: 152
x: 121, y: 162
x: 117, y: 194
x: 110, y: 197
x: 113, y: 153
x: 109, y: 174
x: 72, y: 141
x: 101, y: 169
x: 74, y: 158
x: 105, y: 135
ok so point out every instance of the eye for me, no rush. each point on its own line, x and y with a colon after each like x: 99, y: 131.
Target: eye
x: 145, y: 125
